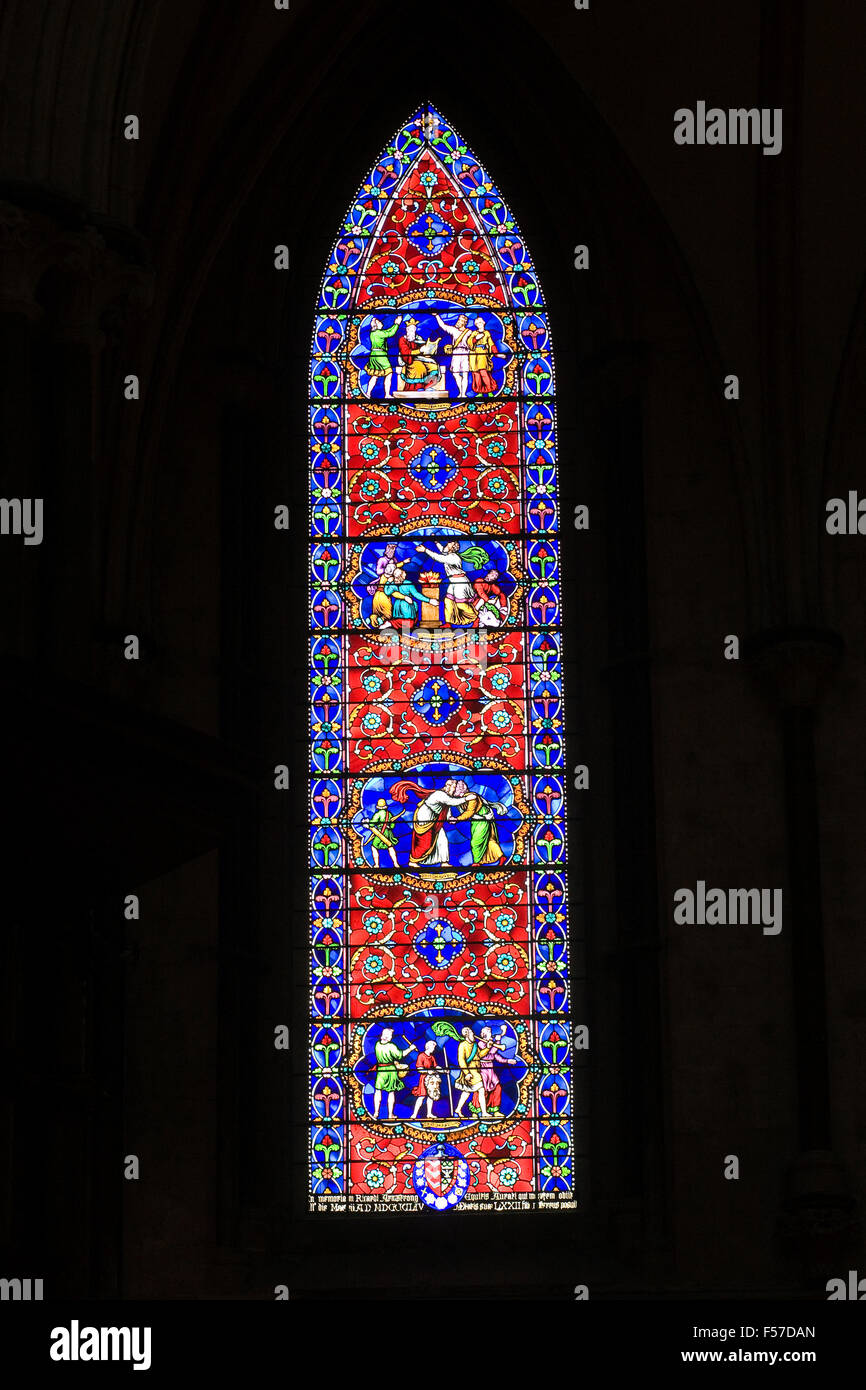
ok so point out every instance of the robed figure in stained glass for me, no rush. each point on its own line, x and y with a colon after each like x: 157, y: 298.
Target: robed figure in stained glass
x: 429, y: 1084
x: 419, y: 367
x: 486, y: 848
x: 491, y: 603
x: 470, y: 1082
x: 482, y: 351
x: 458, y: 350
x: 459, y: 608
x: 429, y: 839
x: 493, y: 1051
x: 406, y: 598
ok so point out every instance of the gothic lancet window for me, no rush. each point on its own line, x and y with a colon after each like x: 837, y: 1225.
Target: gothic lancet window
x: 439, y: 989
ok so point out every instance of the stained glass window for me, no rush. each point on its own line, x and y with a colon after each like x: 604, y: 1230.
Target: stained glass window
x: 439, y: 987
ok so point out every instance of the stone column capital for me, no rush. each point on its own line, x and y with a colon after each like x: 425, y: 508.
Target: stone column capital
x: 19, y: 262
x: 794, y: 665
x: 56, y: 265
x: 93, y: 291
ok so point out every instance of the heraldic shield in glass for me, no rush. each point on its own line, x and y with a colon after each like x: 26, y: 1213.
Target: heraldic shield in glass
x: 439, y: 985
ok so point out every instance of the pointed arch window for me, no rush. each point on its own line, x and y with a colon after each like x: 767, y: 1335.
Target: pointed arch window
x: 439, y: 986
